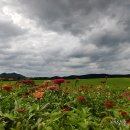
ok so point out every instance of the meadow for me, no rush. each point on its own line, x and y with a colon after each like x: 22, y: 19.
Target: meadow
x: 59, y: 104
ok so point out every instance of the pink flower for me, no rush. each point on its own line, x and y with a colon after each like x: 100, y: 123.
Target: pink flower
x: 126, y: 92
x: 128, y: 98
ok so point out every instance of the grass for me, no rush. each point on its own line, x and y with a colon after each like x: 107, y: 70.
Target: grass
x: 112, y: 82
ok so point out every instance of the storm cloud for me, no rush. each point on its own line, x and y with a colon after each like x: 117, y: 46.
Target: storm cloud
x: 63, y: 37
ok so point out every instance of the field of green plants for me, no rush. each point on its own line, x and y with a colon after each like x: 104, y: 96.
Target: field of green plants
x: 59, y: 104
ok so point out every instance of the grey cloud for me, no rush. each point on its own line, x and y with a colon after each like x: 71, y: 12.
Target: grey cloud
x: 79, y: 17
x: 9, y: 30
x: 73, y: 15
x: 102, y: 46
x: 111, y: 39
x: 105, y: 58
x: 61, y: 15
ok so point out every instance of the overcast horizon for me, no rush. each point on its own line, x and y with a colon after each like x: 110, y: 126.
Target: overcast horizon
x: 64, y: 37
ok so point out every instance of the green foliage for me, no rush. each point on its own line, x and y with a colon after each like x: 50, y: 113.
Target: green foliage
x: 84, y: 105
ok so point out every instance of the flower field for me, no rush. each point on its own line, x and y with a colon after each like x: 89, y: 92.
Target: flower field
x: 80, y: 104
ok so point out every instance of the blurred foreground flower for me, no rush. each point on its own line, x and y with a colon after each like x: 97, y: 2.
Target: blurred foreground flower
x: 109, y: 104
x: 81, y: 98
x: 123, y: 113
x: 38, y: 94
x: 7, y: 88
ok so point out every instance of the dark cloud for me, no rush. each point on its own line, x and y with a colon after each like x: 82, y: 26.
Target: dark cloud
x: 111, y: 38
x: 82, y: 18
x: 60, y: 15
x: 73, y: 15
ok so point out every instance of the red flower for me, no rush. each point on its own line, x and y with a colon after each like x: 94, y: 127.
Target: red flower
x: 109, y: 104
x: 123, y: 113
x: 66, y: 109
x: 81, y: 98
x: 20, y: 110
x: 7, y: 88
x: 58, y: 81
x: 26, y: 93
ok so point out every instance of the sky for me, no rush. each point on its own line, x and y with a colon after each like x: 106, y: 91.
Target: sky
x: 64, y: 37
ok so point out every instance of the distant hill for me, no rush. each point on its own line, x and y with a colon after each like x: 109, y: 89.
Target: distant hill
x: 87, y: 76
x: 15, y: 76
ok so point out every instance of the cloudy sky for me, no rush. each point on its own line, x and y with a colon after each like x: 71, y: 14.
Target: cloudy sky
x: 64, y: 37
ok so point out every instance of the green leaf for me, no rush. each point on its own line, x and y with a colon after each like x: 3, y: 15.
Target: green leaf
x: 2, y: 127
